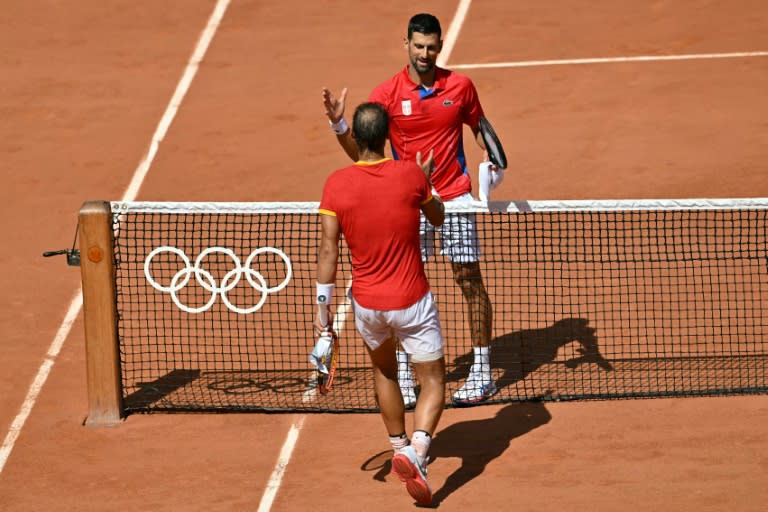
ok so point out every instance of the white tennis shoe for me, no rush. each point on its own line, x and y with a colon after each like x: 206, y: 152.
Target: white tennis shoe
x: 478, y: 387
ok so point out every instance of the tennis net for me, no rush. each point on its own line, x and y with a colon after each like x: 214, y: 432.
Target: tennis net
x: 591, y: 300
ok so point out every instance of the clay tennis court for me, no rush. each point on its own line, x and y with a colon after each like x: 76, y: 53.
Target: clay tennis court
x: 84, y: 88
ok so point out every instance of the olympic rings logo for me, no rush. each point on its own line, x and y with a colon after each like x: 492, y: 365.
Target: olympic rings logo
x: 208, y: 282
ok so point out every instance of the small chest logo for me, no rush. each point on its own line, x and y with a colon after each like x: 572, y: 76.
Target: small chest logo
x: 447, y: 103
x: 406, y: 106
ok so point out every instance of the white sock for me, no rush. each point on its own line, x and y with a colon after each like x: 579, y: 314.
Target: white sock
x: 421, y: 441
x: 399, y: 441
x: 482, y: 363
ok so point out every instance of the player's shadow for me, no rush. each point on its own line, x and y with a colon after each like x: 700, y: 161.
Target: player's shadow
x: 478, y: 442
x: 520, y: 353
x: 475, y: 442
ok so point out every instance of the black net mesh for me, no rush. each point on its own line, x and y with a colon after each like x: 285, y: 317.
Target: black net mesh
x: 215, y: 308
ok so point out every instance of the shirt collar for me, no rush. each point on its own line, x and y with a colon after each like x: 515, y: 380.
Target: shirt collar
x: 440, y: 77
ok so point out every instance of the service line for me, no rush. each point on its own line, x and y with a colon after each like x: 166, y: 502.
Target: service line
x: 608, y: 60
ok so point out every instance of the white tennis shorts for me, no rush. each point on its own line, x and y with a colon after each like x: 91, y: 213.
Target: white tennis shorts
x: 458, y: 236
x: 417, y: 327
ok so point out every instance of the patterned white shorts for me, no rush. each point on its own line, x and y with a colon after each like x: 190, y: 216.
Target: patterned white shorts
x: 458, y: 236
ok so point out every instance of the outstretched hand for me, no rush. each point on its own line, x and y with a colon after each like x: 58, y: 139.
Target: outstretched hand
x: 334, y: 107
x: 427, y: 165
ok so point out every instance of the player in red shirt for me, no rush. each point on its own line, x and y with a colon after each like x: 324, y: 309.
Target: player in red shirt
x: 428, y: 107
x: 376, y: 203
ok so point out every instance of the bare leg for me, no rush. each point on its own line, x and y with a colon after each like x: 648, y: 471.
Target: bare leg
x: 479, y: 385
x: 387, y: 388
x: 429, y: 406
x: 470, y: 280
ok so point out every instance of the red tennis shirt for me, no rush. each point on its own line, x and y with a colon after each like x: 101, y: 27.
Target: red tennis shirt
x: 424, y: 120
x: 377, y: 205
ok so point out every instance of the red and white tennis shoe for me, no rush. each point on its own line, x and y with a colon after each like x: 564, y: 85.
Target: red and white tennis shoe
x: 413, y: 472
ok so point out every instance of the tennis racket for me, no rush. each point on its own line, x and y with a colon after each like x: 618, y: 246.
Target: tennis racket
x: 492, y: 143
x: 325, y: 355
x: 328, y: 361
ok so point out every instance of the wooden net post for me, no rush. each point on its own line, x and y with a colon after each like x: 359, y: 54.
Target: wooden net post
x: 105, y: 402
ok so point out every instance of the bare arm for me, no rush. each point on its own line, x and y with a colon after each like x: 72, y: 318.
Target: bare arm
x: 328, y: 250
x: 327, y: 258
x: 334, y: 110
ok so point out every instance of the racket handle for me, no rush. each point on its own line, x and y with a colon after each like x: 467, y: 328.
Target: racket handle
x: 323, y: 310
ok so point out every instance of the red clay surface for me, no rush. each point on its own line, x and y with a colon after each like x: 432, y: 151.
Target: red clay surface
x: 82, y: 87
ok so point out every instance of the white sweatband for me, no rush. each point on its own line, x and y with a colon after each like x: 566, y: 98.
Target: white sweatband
x: 324, y: 293
x: 340, y: 127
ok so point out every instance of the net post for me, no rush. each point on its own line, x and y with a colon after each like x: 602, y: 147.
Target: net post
x: 105, y: 403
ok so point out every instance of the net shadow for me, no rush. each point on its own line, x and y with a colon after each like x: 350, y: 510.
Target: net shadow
x: 478, y: 442
x: 155, y: 391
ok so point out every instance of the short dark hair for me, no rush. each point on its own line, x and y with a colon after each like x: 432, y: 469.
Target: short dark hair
x: 370, y: 126
x: 424, y: 24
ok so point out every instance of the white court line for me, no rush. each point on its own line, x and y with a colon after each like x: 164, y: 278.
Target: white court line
x: 609, y: 60
x: 40, y: 378
x: 178, y: 96
x: 276, y: 477
x: 453, y: 32
x: 130, y: 195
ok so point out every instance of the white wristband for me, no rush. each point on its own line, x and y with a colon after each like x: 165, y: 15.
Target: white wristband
x: 340, y: 127
x: 325, y: 293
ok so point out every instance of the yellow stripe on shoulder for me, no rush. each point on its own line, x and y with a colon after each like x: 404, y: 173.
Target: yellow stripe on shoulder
x: 428, y: 199
x: 323, y: 211
x: 371, y: 162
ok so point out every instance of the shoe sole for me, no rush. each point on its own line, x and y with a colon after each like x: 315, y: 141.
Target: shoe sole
x: 416, y: 486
